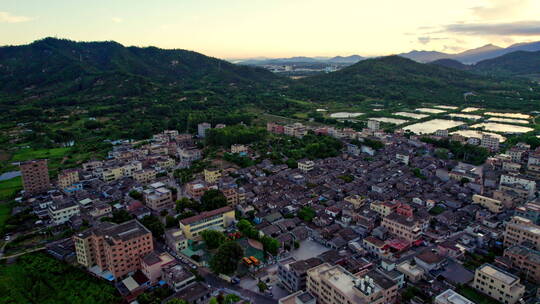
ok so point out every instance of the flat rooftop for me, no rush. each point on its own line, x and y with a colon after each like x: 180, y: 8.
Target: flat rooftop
x: 498, y: 274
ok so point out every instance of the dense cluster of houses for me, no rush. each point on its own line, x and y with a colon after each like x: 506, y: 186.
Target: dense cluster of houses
x: 389, y: 217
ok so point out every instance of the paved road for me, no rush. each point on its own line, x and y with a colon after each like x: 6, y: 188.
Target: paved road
x: 216, y: 282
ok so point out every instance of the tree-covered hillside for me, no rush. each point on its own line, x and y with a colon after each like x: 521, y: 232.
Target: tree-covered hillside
x: 399, y: 79
x: 525, y: 64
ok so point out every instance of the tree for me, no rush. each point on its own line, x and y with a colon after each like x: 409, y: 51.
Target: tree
x: 154, y: 225
x: 213, y: 239
x: 213, y: 199
x: 170, y: 222
x: 118, y: 216
x: 306, y: 213
x: 270, y: 245
x: 135, y: 195
x: 177, y: 301
x: 262, y: 286
x: 226, y: 259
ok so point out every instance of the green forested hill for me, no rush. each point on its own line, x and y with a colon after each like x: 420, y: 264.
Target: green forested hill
x: 80, y: 66
x: 401, y: 79
x: 521, y: 63
x: 54, y: 86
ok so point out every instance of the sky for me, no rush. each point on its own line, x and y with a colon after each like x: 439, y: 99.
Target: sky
x: 277, y: 28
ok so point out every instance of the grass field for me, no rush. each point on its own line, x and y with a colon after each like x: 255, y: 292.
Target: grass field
x: 28, y: 154
x: 5, y: 212
x: 9, y: 187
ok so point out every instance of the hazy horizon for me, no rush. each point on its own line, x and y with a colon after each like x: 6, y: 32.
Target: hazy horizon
x: 274, y: 29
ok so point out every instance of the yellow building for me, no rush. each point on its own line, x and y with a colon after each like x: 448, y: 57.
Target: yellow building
x: 383, y: 208
x: 498, y: 284
x: 212, y: 175
x: 112, y: 174
x: 356, y: 200
x: 166, y: 162
x: 130, y: 168
x: 67, y: 178
x: 144, y: 176
x: 218, y: 220
x: 491, y: 204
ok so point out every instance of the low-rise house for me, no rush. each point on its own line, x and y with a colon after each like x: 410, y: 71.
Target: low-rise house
x: 412, y: 272
x: 177, y: 277
x: 61, y: 211
x: 152, y: 264
x: 175, y: 239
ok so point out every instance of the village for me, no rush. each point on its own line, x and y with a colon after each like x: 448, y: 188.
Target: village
x: 392, y: 218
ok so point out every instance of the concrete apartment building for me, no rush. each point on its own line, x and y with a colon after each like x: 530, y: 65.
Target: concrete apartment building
x: 525, y: 259
x: 530, y: 210
x: 407, y: 228
x: 489, y: 203
x: 190, y: 154
x: 234, y: 195
x: 196, y: 189
x: 61, y: 211
x: 144, y: 176
x: 152, y: 263
x: 306, y: 165
x: 117, y: 248
x: 373, y: 125
x: 237, y: 148
x: 201, y: 129
x: 520, y: 230
x: 212, y: 175
x: 335, y: 285
x: 527, y: 183
x: 67, y: 178
x: 498, y: 284
x: 35, y: 176
x: 292, y: 274
x: 275, y: 128
x: 490, y: 142
x: 111, y: 174
x: 177, y: 277
x: 299, y: 297
x: 218, y: 220
x: 451, y: 297
x: 296, y: 130
x: 175, y: 239
x: 158, y: 198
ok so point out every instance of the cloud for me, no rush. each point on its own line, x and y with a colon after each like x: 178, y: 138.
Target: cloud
x: 428, y: 39
x: 500, y: 9
x: 117, y: 20
x: 520, y: 28
x: 6, y: 17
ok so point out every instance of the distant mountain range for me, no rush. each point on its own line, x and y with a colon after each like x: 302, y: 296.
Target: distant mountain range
x: 472, y: 56
x: 347, y: 60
